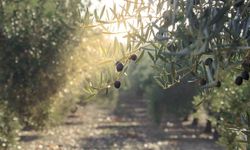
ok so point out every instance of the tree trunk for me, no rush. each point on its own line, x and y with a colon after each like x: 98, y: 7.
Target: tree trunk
x: 185, y: 118
x: 195, y: 122
x: 216, y: 135
x: 208, y: 128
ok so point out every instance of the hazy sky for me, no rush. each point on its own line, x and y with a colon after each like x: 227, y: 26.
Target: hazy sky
x: 119, y: 3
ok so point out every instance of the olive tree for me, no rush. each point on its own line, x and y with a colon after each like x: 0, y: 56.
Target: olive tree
x: 34, y: 36
x: 201, y: 38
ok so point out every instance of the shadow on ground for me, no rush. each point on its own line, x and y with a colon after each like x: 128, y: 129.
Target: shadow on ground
x: 29, y: 138
x: 130, y: 128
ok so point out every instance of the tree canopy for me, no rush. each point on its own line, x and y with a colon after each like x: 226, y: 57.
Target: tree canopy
x: 207, y: 40
x: 53, y: 50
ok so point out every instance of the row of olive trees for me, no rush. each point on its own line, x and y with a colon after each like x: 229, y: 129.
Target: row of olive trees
x: 227, y: 109
x: 34, y: 36
x: 160, y: 102
x: 49, y: 61
x: 201, y: 39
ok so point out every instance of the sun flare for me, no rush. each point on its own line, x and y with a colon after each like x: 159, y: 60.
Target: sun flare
x: 119, y: 30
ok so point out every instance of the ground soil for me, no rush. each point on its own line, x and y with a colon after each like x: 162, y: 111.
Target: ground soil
x: 127, y: 127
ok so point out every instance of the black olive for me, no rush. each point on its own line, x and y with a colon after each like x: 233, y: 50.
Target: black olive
x: 208, y: 61
x: 133, y: 57
x: 119, y: 67
x: 238, y: 80
x: 117, y: 84
x: 218, y: 84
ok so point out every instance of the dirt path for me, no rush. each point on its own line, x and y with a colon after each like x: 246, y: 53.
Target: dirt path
x: 128, y: 127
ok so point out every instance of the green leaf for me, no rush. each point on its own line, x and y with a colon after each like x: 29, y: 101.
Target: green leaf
x: 114, y: 12
x: 160, y: 83
x: 151, y: 56
x: 140, y: 57
x: 102, y: 12
x: 128, y: 7
x: 135, y: 5
x: 86, y: 16
x: 96, y: 16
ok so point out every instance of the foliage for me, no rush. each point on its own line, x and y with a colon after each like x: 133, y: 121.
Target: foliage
x: 90, y: 74
x: 43, y: 59
x: 9, y: 127
x: 140, y: 76
x: 33, y: 37
x: 228, y: 107
x: 48, y: 61
x: 198, y: 38
x: 184, y: 39
x: 161, y: 102
x: 176, y: 100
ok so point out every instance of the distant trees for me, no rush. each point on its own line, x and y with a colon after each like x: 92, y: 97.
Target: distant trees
x: 34, y: 34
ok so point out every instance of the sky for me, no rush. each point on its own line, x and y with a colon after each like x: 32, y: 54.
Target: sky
x: 114, y: 28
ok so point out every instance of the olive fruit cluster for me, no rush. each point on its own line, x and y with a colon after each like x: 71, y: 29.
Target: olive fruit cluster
x: 119, y: 68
